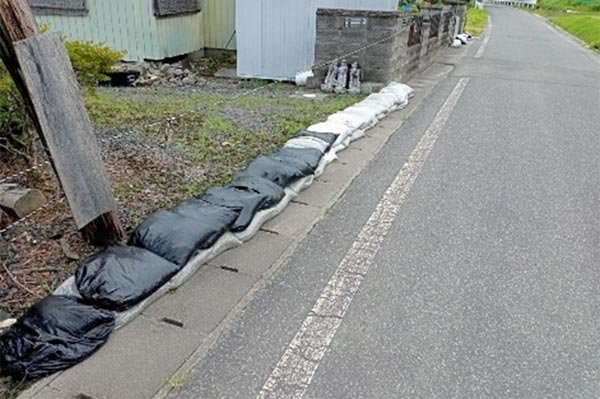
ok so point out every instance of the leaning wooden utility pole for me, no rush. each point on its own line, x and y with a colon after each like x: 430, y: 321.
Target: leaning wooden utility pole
x: 42, y: 71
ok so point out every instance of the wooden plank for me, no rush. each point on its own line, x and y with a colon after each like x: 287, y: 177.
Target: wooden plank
x: 63, y: 119
x: 18, y: 21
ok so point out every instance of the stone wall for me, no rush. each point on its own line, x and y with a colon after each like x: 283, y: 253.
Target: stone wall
x: 393, y: 45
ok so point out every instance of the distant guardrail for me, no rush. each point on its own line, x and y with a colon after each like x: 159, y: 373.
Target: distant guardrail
x: 513, y: 3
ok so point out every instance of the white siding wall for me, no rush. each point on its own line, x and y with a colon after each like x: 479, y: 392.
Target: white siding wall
x: 219, y: 24
x: 130, y: 25
x: 276, y: 38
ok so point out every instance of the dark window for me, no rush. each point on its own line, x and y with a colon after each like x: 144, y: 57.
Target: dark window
x: 414, y: 34
x: 447, y: 22
x: 168, y: 8
x: 59, y: 7
x: 435, y: 26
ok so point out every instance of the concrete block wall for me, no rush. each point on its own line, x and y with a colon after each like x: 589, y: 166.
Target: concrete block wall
x: 341, y: 32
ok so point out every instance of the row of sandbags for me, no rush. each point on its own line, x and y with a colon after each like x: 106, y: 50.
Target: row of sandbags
x: 114, y: 285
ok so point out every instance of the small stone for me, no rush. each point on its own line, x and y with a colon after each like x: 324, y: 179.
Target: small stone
x: 20, y: 202
x: 69, y: 253
x: 177, y: 72
x: 148, y: 81
x: 188, y: 80
x: 165, y: 68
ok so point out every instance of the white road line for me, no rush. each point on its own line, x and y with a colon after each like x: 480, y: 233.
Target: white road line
x: 296, y: 368
x: 486, y: 39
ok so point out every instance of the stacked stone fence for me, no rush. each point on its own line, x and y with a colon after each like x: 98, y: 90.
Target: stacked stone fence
x: 414, y: 40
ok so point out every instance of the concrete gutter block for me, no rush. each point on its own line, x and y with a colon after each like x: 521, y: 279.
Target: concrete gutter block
x: 372, y: 143
x: 322, y: 193
x: 294, y: 220
x: 256, y: 256
x: 48, y: 393
x: 355, y: 156
x: 204, y: 301
x: 339, y: 172
x: 135, y: 362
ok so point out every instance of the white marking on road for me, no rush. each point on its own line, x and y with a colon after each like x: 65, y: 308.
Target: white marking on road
x: 486, y: 39
x: 296, y: 368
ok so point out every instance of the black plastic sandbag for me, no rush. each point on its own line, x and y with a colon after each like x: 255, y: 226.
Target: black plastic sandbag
x: 176, y: 237
x: 272, y: 191
x: 55, y: 334
x: 278, y: 171
x: 307, y: 159
x: 329, y: 138
x: 118, y: 278
x: 206, y: 213
x: 246, y: 202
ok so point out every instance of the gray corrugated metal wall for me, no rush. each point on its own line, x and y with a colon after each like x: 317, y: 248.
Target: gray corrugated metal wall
x: 276, y: 38
x: 219, y: 24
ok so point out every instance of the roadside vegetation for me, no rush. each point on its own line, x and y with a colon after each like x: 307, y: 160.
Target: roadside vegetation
x: 476, y: 20
x: 581, y: 18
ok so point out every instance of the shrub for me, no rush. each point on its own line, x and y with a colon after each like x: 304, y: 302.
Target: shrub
x: 12, y: 112
x: 92, y: 61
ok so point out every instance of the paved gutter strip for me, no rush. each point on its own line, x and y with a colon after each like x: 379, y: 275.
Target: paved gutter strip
x: 359, y: 154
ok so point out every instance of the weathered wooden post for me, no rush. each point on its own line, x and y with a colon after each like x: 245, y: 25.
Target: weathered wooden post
x: 41, y: 68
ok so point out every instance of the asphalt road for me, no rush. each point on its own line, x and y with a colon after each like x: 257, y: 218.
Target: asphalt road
x: 481, y: 273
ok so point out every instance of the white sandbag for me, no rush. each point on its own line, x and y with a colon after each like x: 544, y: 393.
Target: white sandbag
x: 263, y: 217
x: 307, y: 142
x: 401, y: 91
x: 359, y: 134
x: 68, y: 288
x: 339, y: 147
x: 330, y: 127
x: 302, y: 184
x: 302, y: 77
x: 327, y: 159
x: 368, y: 112
x: 379, y: 110
x: 463, y: 38
x: 385, y: 99
x: 353, y: 120
x: 226, y: 242
x: 456, y: 43
x: 399, y: 98
x: 342, y: 130
x: 402, y: 88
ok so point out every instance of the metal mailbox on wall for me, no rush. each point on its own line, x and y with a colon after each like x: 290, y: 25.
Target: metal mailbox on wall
x: 276, y: 38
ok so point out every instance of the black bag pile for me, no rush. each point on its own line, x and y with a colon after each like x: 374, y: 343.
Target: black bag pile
x: 118, y: 278
x: 61, y: 331
x: 54, y: 334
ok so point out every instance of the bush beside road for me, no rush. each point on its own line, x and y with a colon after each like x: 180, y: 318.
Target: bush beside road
x: 476, y: 20
x: 579, y: 17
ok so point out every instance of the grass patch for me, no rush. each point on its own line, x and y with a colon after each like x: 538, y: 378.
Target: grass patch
x: 476, y: 20
x: 582, y: 19
x: 221, y: 139
x: 226, y: 145
x: 178, y: 380
x: 107, y: 109
x: 575, y: 5
x: 585, y: 26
